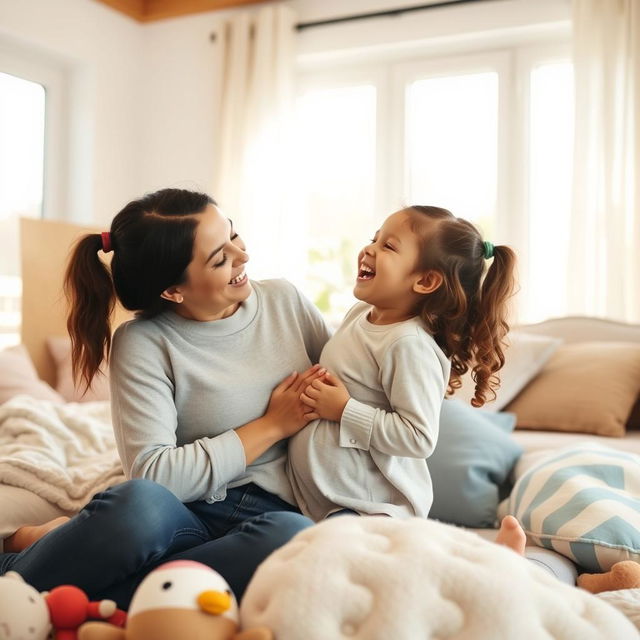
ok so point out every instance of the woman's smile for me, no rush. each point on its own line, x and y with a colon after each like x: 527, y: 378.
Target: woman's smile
x: 240, y: 280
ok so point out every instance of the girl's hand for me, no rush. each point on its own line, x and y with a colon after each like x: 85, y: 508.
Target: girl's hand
x: 286, y: 411
x: 327, y: 397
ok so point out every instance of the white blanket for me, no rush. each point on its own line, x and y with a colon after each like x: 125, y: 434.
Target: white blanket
x: 63, y: 453
x: 625, y: 600
x: 376, y: 578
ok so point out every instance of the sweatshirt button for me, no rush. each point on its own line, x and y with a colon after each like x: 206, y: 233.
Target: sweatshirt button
x: 353, y: 441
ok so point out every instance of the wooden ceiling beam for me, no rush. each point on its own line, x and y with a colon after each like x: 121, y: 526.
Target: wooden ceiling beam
x: 150, y: 10
x: 161, y: 9
x: 133, y: 8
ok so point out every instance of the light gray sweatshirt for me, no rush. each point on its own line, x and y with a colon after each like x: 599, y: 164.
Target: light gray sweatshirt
x: 374, y: 461
x: 180, y: 387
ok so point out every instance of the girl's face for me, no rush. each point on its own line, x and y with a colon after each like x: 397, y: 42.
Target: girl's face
x: 388, y: 277
x: 216, y: 279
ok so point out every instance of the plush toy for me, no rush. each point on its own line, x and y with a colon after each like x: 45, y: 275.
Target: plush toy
x: 180, y: 599
x: 69, y: 607
x: 623, y: 575
x: 23, y: 611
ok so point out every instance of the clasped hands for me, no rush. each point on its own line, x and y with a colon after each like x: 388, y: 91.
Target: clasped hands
x: 302, y: 397
x: 326, y: 396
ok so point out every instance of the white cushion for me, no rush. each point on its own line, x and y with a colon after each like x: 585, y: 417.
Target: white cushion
x: 376, y: 578
x: 18, y: 376
x: 524, y: 358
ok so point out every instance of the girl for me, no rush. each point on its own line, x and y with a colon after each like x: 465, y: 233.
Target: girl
x: 426, y: 316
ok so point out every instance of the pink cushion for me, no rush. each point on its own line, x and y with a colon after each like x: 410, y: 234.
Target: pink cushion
x: 18, y: 376
x: 60, y: 350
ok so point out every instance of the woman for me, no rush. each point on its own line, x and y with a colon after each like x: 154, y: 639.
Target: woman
x: 199, y: 426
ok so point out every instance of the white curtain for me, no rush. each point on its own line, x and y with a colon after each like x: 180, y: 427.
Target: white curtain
x: 604, y: 271
x: 252, y: 183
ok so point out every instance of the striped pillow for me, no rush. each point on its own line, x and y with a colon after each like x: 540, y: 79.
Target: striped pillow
x: 583, y: 502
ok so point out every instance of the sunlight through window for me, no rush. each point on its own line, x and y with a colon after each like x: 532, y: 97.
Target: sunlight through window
x: 22, y: 118
x: 550, y: 177
x: 336, y: 162
x: 451, y: 141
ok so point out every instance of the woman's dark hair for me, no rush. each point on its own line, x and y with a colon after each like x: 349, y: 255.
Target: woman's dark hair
x: 467, y: 314
x: 152, y: 241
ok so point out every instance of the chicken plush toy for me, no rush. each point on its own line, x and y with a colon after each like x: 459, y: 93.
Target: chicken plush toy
x: 180, y: 599
x: 23, y: 611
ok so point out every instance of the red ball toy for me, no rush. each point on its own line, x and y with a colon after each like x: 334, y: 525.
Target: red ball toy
x: 69, y: 607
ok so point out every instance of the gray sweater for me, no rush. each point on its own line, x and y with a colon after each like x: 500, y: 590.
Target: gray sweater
x: 374, y: 461
x: 180, y: 387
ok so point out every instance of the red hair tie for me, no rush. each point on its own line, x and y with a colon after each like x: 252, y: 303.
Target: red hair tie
x: 106, y: 241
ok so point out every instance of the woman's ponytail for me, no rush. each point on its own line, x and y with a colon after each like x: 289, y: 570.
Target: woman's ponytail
x: 91, y: 298
x: 488, y: 322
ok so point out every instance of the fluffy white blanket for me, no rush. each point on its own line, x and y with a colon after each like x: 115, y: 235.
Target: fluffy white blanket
x: 378, y: 578
x: 63, y: 453
x: 625, y: 600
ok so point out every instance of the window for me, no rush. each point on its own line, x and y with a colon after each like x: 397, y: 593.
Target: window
x: 451, y: 142
x: 336, y: 175
x: 22, y: 124
x: 33, y: 162
x: 550, y: 178
x: 488, y: 135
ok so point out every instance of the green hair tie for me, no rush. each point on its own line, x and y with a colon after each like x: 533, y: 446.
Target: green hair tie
x: 488, y: 250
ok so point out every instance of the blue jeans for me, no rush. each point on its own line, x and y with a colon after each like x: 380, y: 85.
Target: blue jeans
x: 128, y: 530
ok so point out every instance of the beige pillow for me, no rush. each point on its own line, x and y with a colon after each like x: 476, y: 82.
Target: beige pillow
x: 18, y: 375
x: 587, y: 387
x: 60, y: 350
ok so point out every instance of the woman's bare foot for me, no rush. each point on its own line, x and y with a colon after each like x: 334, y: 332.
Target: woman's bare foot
x: 26, y: 536
x: 511, y: 535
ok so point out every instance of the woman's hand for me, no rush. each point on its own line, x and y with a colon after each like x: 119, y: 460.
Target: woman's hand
x: 286, y: 411
x: 327, y: 397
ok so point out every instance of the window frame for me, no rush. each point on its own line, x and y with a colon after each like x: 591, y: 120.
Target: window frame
x: 526, y: 58
x: 34, y: 68
x: 325, y: 79
x: 468, y: 63
x: 390, y: 72
x: 30, y: 65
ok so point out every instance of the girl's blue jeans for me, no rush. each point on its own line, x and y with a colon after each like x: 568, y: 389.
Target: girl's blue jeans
x: 128, y: 530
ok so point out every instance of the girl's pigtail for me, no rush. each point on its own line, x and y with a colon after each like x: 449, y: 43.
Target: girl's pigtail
x: 488, y: 323
x: 91, y: 298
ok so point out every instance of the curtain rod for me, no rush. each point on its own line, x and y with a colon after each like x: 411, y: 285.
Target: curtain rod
x: 375, y: 14
x: 382, y: 14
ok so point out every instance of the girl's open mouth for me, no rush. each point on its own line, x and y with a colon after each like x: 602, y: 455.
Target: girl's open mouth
x: 366, y: 272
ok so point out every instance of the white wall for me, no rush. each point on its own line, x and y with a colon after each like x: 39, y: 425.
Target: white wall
x: 178, y: 132
x: 101, y: 51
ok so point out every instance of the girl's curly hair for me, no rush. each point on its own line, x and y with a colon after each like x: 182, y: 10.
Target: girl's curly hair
x: 467, y: 314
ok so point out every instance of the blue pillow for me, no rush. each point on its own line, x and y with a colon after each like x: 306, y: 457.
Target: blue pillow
x: 471, y: 464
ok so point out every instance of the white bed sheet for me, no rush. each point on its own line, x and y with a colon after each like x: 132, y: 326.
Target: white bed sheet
x: 539, y: 440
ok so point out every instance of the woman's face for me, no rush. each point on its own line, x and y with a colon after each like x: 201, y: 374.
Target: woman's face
x: 216, y: 279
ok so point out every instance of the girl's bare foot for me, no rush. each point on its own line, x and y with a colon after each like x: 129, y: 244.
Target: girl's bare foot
x: 511, y: 535
x: 26, y: 536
